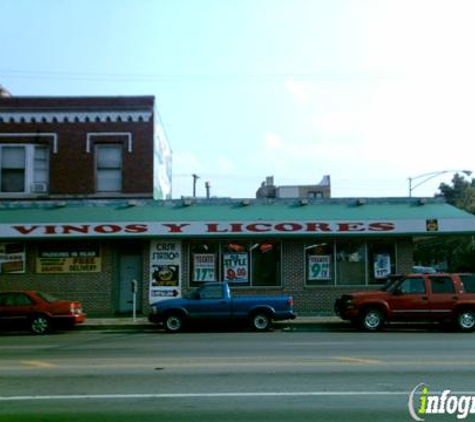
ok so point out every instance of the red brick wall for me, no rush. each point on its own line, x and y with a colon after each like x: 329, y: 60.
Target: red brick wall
x: 72, y: 169
x: 98, y: 291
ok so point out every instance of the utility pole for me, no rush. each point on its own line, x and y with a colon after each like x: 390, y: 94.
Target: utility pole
x: 195, y: 178
x: 208, y: 187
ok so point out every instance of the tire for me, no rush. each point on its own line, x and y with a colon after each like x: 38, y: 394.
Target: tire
x: 466, y: 320
x: 372, y: 320
x: 174, y: 323
x: 261, y: 321
x: 40, y: 324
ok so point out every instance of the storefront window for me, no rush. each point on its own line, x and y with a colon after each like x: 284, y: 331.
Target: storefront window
x: 382, y: 261
x: 240, y: 263
x: 350, y: 262
x: 319, y: 264
x: 204, y: 266
x: 266, y: 263
x: 236, y: 263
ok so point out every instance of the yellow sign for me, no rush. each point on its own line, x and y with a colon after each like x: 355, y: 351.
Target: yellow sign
x: 68, y: 265
x: 72, y: 258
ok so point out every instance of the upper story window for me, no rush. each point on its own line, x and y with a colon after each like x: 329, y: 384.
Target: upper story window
x: 109, y: 167
x: 24, y: 169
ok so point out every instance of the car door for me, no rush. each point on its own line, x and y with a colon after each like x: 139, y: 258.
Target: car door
x: 410, y: 300
x: 443, y: 296
x: 15, y: 308
x: 210, y: 303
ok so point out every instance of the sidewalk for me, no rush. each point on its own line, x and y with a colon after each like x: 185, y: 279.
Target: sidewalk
x: 141, y: 322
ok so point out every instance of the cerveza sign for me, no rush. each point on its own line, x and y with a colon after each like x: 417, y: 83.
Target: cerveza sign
x: 259, y: 228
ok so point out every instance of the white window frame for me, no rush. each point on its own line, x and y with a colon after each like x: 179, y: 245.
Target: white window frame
x: 120, y: 147
x: 29, y: 170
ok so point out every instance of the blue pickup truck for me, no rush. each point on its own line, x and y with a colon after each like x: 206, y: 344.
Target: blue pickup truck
x: 213, y: 302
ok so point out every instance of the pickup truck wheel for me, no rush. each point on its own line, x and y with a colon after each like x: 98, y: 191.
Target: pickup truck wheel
x: 466, y: 320
x: 174, y: 323
x: 40, y: 324
x: 261, y: 322
x: 372, y: 320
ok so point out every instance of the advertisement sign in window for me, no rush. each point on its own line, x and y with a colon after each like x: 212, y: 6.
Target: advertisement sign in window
x: 204, y: 267
x: 236, y: 267
x: 382, y: 265
x: 69, y: 259
x: 319, y: 267
x: 12, y: 258
x: 165, y: 264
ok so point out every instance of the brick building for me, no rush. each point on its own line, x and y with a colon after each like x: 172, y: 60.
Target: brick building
x: 316, y: 251
x: 85, y: 210
x: 83, y: 147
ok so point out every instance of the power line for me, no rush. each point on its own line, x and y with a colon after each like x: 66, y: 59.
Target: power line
x: 220, y: 77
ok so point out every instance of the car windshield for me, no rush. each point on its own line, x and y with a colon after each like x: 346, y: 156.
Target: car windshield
x: 47, y: 297
x: 390, y: 284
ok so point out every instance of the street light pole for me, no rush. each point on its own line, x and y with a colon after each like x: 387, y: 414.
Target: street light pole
x: 195, y: 178
x: 428, y: 176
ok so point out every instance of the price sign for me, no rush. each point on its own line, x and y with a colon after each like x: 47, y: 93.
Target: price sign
x: 204, y: 267
x: 319, y: 267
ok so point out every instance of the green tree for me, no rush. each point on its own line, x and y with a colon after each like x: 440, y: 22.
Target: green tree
x: 461, y: 194
x: 458, y: 252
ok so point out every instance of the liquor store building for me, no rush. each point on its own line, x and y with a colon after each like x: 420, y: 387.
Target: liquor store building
x: 315, y: 250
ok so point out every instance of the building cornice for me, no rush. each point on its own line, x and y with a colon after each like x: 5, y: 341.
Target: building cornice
x: 20, y: 117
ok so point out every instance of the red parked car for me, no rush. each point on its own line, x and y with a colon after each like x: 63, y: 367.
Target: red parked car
x: 38, y: 311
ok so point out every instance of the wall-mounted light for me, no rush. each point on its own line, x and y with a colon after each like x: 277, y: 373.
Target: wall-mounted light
x: 132, y: 203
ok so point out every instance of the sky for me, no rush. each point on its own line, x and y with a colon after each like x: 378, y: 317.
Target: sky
x: 370, y: 92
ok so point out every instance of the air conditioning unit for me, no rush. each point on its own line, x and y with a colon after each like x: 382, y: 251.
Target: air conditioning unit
x: 39, y: 187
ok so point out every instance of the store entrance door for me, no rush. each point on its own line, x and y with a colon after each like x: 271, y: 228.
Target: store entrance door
x: 130, y: 268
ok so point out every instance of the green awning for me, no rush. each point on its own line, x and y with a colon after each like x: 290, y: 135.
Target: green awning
x: 230, y: 218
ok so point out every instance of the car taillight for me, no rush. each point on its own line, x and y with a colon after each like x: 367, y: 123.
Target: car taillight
x: 290, y: 301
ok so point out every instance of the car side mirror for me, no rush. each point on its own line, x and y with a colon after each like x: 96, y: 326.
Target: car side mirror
x: 196, y: 296
x: 397, y: 292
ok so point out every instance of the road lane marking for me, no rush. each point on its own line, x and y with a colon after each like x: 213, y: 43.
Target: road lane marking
x: 39, y: 364
x: 363, y: 361
x: 200, y: 395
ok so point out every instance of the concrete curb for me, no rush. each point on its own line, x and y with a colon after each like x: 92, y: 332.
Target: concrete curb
x: 142, y: 323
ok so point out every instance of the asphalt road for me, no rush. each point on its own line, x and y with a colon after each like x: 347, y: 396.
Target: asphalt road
x: 235, y: 376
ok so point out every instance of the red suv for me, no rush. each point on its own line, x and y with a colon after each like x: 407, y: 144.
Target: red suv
x: 413, y: 298
x: 38, y: 311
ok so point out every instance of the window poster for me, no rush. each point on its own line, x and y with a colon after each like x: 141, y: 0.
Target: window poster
x: 69, y: 258
x: 382, y: 265
x: 165, y: 265
x: 204, y: 267
x: 319, y: 267
x: 236, y: 267
x: 12, y: 258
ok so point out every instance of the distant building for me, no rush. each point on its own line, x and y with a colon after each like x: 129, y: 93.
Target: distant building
x: 269, y: 190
